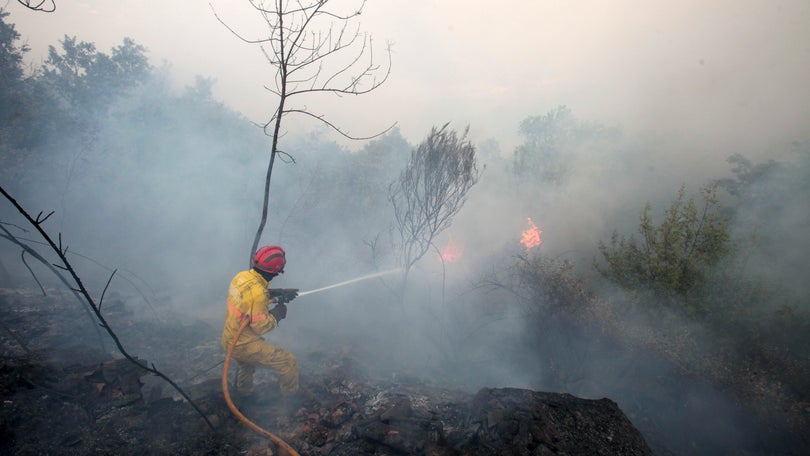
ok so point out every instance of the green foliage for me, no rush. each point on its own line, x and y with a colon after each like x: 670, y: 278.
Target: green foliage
x: 81, y: 76
x: 673, y: 256
x: 746, y: 175
x: 550, y: 143
x: 11, y: 54
x: 14, y: 106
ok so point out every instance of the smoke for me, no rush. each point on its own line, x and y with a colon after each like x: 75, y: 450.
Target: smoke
x: 166, y: 187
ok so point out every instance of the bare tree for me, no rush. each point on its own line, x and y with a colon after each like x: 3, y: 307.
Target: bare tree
x: 430, y: 191
x: 314, y: 50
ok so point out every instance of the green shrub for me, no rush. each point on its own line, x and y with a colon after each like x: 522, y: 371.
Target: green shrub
x: 670, y: 258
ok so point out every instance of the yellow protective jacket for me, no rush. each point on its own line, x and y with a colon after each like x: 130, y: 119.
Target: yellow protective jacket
x: 247, y: 296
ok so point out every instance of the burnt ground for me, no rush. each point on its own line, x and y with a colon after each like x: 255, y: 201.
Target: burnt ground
x: 63, y: 394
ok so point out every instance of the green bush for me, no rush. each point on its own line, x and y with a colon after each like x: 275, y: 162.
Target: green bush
x: 671, y: 258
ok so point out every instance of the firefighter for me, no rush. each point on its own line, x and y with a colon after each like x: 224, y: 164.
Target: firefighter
x: 248, y: 298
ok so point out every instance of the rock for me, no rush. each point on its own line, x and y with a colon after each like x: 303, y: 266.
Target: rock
x: 523, y: 422
x: 422, y: 420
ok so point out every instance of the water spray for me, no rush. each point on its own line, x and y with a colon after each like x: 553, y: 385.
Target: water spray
x: 358, y: 279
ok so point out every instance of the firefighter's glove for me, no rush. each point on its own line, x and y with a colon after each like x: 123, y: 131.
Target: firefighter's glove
x: 279, y: 312
x: 282, y: 295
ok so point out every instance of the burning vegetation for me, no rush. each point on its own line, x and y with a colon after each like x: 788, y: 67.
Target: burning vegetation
x: 531, y: 236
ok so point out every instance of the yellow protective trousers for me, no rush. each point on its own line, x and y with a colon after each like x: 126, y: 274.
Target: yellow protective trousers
x: 259, y: 353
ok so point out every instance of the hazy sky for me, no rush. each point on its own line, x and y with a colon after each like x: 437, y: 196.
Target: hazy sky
x: 731, y: 75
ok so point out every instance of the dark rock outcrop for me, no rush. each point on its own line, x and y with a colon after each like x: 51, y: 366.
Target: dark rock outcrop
x: 498, y: 421
x: 523, y: 422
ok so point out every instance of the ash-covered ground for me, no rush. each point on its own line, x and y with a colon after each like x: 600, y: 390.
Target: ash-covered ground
x: 66, y: 391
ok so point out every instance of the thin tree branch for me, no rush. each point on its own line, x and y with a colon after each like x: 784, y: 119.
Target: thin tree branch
x: 336, y: 128
x: 234, y: 32
x: 101, y: 299
x: 58, y: 274
x: 39, y: 6
x: 22, y: 257
x: 80, y: 288
x: 15, y: 226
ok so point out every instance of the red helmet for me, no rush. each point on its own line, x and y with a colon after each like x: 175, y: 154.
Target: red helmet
x: 270, y: 258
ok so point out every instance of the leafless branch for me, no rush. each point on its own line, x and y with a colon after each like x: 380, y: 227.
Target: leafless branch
x: 336, y: 128
x: 45, y: 6
x: 22, y: 257
x: 20, y: 240
x: 431, y: 190
x: 55, y: 271
x: 82, y: 290
x: 285, y: 157
x: 15, y: 226
x: 234, y: 32
x: 101, y: 299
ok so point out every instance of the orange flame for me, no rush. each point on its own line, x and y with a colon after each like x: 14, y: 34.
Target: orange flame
x: 531, y: 236
x: 451, y: 251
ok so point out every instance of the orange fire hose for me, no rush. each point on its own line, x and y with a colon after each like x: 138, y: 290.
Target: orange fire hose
x: 231, y: 405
